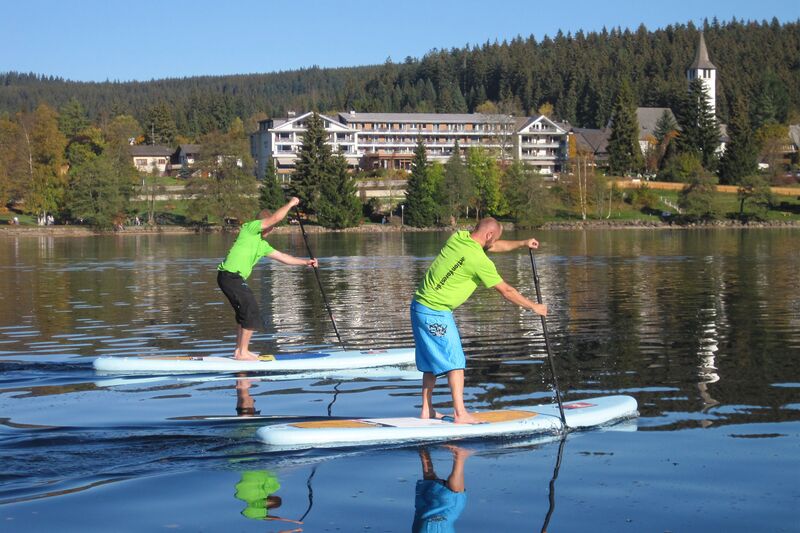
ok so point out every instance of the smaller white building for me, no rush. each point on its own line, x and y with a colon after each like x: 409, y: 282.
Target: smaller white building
x: 151, y: 158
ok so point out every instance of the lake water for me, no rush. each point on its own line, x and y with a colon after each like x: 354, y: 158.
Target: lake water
x: 702, y: 327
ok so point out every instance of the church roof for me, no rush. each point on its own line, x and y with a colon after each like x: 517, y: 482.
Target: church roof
x: 701, y: 59
x: 648, y: 120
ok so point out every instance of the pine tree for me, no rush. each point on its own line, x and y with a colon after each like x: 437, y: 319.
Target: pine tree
x: 271, y: 196
x: 456, y: 187
x: 699, y: 129
x: 159, y: 126
x: 624, y: 154
x: 740, y: 157
x: 72, y: 118
x: 421, y: 208
x: 312, y: 164
x: 665, y: 133
x: 338, y: 205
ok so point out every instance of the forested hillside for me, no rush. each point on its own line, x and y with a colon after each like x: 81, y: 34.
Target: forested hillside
x: 578, y: 74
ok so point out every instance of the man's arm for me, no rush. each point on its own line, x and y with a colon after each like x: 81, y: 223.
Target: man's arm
x: 512, y: 295
x: 279, y: 214
x: 287, y: 259
x: 507, y: 246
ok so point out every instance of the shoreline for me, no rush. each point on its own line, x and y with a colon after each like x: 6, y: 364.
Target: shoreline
x: 87, y: 231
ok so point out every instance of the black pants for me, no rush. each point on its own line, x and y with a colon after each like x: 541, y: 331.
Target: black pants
x: 241, y: 298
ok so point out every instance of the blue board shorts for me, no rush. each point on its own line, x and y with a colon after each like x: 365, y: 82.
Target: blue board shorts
x: 438, y: 344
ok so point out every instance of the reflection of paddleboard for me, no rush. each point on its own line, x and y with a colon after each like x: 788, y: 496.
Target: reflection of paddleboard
x: 525, y: 420
x: 288, y: 362
x: 378, y: 373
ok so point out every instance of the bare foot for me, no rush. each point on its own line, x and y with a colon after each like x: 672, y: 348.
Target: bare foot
x: 458, y: 450
x: 425, y: 415
x: 246, y: 356
x: 466, y: 418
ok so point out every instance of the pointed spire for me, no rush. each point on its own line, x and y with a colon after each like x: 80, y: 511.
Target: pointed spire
x: 701, y: 59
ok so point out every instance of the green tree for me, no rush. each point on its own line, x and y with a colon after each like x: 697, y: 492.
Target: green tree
x: 272, y: 196
x: 771, y: 139
x: 482, y: 168
x: 85, y: 145
x: 43, y: 147
x: 159, y: 125
x: 740, y: 157
x: 697, y: 196
x: 99, y: 191
x: 753, y: 192
x: 528, y: 199
x: 421, y: 208
x: 313, y: 164
x: 436, y: 180
x: 456, y: 187
x: 122, y: 130
x: 338, y: 206
x: 624, y: 154
x: 699, y: 128
x: 72, y: 119
x: 12, y: 163
x: 224, y: 188
x: 665, y: 133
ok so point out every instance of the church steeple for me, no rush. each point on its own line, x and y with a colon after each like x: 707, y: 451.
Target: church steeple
x: 703, y: 69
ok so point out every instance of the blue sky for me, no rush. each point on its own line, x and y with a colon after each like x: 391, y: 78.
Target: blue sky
x: 95, y: 40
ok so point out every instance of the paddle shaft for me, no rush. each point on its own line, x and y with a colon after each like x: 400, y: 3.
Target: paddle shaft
x: 319, y: 281
x: 547, y: 339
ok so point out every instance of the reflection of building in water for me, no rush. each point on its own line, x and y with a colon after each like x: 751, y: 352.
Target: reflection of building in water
x: 366, y: 294
x: 707, y: 369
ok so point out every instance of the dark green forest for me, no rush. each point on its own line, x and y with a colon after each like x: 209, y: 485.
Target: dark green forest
x: 577, y: 74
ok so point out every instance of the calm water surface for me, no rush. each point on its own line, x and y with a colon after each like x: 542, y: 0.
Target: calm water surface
x: 702, y: 327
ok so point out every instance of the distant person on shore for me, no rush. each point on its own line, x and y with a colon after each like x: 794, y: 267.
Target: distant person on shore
x: 448, y: 283
x: 250, y: 246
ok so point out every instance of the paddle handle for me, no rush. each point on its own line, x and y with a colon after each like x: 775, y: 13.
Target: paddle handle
x: 547, y: 339
x: 319, y: 281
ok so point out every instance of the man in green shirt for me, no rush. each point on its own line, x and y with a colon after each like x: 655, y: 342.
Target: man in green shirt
x: 250, y: 246
x: 448, y: 283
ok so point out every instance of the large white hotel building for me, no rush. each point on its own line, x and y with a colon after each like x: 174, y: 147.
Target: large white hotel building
x: 387, y: 140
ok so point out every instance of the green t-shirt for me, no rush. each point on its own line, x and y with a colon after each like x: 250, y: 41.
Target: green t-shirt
x: 248, y: 249
x: 455, y: 274
x: 254, y: 488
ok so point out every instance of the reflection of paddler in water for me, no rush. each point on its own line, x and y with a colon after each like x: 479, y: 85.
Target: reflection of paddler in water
x: 440, y: 502
x: 257, y: 488
x: 245, y: 404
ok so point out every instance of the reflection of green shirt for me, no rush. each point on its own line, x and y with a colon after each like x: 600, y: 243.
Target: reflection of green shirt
x: 455, y: 273
x: 247, y: 250
x: 254, y: 488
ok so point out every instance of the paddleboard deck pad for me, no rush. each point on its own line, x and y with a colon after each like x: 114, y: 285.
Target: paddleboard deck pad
x: 335, y: 433
x: 287, y: 362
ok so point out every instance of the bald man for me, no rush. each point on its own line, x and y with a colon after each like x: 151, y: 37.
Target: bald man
x: 449, y: 282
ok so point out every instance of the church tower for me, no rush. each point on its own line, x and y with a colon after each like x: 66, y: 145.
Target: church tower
x: 704, y: 69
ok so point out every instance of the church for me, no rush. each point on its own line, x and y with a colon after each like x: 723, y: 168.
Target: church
x: 596, y: 140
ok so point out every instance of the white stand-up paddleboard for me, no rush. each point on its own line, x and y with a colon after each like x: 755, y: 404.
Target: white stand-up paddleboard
x: 287, y: 362
x: 524, y: 420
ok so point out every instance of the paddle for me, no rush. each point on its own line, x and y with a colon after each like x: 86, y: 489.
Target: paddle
x: 552, y: 493
x: 547, y: 339
x: 319, y: 281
